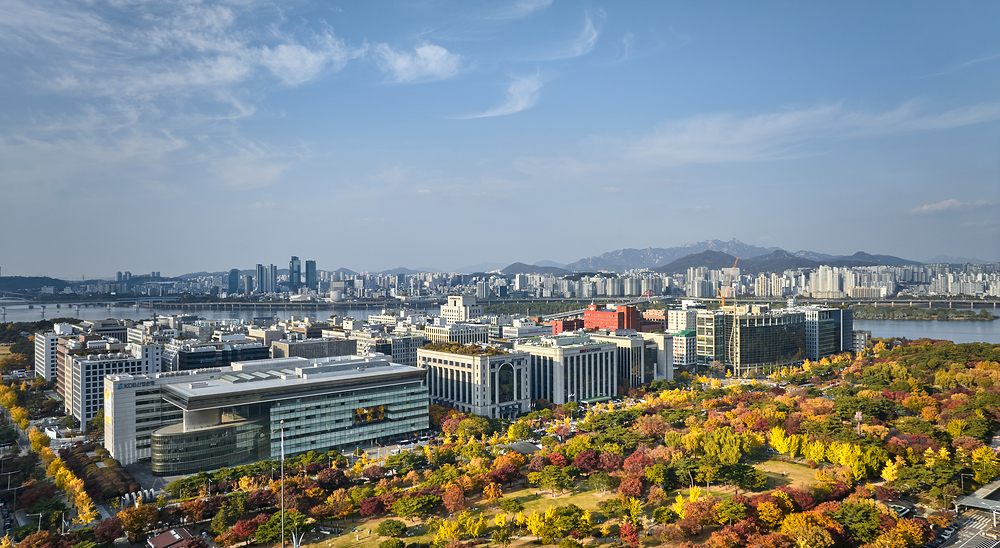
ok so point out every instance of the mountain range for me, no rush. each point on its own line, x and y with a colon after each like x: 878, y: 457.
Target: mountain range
x: 778, y: 260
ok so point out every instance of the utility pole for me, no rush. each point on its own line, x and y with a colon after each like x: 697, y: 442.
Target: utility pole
x: 282, y: 423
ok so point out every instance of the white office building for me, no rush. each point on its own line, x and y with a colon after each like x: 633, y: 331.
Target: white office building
x: 46, y: 351
x: 571, y: 367
x: 84, y: 390
x: 461, y: 308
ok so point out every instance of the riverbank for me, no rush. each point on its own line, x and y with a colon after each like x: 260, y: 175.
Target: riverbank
x: 910, y: 313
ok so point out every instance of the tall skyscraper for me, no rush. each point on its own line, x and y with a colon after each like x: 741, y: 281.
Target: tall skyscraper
x: 234, y: 281
x: 272, y: 279
x: 262, y: 279
x: 294, y: 273
x: 312, y: 282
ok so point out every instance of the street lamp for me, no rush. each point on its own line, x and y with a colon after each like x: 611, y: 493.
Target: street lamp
x: 39, y: 519
x: 962, y: 479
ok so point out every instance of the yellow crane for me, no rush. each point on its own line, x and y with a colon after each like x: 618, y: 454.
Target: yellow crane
x: 729, y: 283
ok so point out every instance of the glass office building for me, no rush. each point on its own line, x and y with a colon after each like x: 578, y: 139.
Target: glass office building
x: 335, y: 403
x: 753, y: 340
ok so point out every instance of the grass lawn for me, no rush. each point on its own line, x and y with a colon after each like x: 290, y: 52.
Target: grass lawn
x: 781, y: 473
x: 533, y: 499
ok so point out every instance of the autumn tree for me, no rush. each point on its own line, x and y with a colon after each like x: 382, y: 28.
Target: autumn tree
x: 135, y: 520
x: 454, y: 498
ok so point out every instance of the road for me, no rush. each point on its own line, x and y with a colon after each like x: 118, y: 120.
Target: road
x: 970, y: 525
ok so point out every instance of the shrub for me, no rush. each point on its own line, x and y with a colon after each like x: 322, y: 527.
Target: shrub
x: 392, y: 543
x: 511, y: 506
x: 391, y: 528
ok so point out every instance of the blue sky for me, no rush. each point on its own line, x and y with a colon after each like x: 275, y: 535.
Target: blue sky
x: 205, y: 136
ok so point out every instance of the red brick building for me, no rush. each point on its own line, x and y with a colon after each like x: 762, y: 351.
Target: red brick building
x: 559, y: 326
x: 625, y: 317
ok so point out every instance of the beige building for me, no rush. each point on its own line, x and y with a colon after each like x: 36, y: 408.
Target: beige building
x: 494, y: 385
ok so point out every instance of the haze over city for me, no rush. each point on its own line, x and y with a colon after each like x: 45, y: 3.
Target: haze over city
x: 202, y: 137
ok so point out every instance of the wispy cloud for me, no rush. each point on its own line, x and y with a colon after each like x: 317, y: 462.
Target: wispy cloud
x: 522, y: 94
x: 951, y: 205
x: 427, y: 63
x: 626, y: 45
x: 722, y: 138
x: 582, y: 44
x: 728, y: 138
x: 967, y: 64
x: 518, y: 10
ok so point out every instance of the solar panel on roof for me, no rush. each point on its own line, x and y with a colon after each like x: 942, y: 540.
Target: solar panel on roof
x: 260, y: 375
x: 244, y: 376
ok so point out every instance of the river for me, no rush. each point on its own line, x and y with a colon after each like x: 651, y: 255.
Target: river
x: 957, y: 331
x: 21, y: 312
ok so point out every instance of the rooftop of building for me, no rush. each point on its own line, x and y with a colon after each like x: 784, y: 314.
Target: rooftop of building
x: 288, y: 378
x: 465, y: 349
x: 572, y: 339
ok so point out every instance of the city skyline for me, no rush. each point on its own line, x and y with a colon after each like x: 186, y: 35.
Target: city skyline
x: 824, y: 128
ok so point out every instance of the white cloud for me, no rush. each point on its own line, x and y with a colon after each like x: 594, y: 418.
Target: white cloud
x: 295, y: 64
x: 427, y: 63
x: 952, y: 204
x: 581, y: 45
x: 522, y: 94
x: 134, y: 52
x: 261, y: 205
x: 519, y: 9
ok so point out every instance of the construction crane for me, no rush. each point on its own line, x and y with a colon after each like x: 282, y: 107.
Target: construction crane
x: 729, y: 283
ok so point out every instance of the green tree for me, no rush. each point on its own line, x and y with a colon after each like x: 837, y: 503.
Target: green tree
x: 729, y: 511
x: 862, y: 520
x: 392, y: 543
x: 519, y: 431
x: 222, y: 522
x: 96, y: 424
x: 601, y: 481
x: 552, y: 478
x: 270, y: 530
x: 391, y: 528
x: 502, y: 536
x: 409, y: 507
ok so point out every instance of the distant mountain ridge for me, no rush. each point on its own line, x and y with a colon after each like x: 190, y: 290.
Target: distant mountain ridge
x: 653, y: 257
x: 521, y: 268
